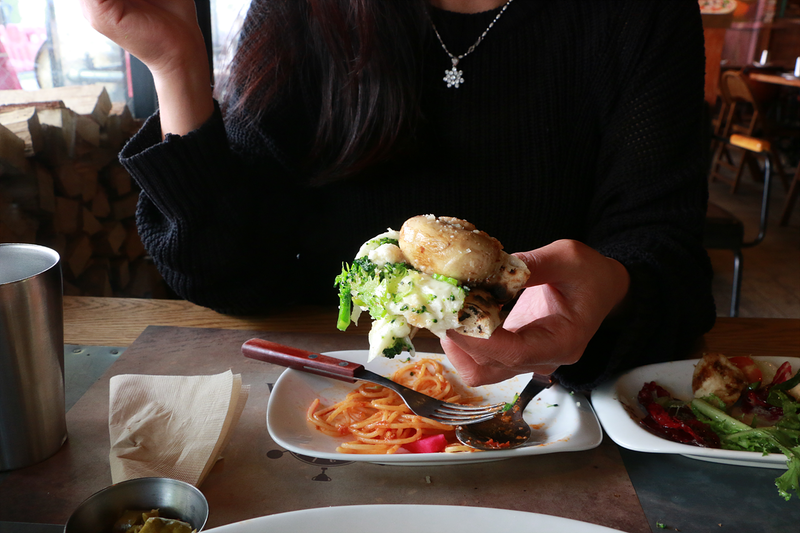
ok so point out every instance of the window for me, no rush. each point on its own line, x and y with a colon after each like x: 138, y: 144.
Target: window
x: 226, y: 19
x: 48, y: 43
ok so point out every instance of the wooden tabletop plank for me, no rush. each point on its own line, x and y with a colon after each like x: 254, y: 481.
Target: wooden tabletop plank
x: 98, y: 321
x: 95, y: 321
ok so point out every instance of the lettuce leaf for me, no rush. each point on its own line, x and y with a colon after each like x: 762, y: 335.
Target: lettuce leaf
x: 736, y: 435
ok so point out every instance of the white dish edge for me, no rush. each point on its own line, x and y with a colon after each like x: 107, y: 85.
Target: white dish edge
x: 610, y: 399
x: 292, y: 439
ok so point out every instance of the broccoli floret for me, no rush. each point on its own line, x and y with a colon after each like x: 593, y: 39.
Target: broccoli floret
x: 367, y: 285
x: 363, y: 268
x: 452, y: 281
x: 397, y: 348
x: 395, y: 293
x: 384, y: 240
x: 345, y: 308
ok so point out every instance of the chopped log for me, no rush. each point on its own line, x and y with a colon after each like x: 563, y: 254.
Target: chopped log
x: 88, y: 130
x: 89, y: 177
x: 51, y: 104
x: 6, y: 234
x: 68, y: 180
x: 20, y: 189
x: 96, y: 279
x: 119, y: 127
x: 66, y: 219
x: 73, y: 290
x: 25, y: 124
x: 68, y: 191
x: 90, y: 225
x: 12, y: 152
x: 99, y: 156
x: 46, y: 187
x: 109, y: 240
x: 132, y: 248
x: 122, y: 113
x: 48, y: 237
x: 77, y: 255
x: 120, y: 273
x: 54, y: 148
x: 146, y: 282
x: 118, y: 180
x: 89, y: 100
x: 59, y: 132
x: 100, y: 206
x: 18, y: 225
x: 125, y: 207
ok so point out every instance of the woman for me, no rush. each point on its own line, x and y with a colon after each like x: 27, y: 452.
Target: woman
x: 568, y: 129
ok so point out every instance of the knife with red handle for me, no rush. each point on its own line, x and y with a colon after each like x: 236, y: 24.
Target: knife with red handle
x: 311, y: 362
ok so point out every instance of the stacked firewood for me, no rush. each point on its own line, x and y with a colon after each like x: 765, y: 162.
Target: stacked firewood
x: 61, y: 185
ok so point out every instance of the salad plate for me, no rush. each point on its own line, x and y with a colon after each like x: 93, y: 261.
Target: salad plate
x: 619, y: 410
x: 562, y: 421
x: 404, y: 518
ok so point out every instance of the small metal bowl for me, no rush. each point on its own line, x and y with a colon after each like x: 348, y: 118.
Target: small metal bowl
x: 173, y: 499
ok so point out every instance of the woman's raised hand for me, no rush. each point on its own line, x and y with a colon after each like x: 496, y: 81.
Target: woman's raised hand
x: 571, y: 290
x: 165, y: 36
x: 158, y: 32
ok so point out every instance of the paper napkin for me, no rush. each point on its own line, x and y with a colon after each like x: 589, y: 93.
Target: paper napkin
x: 171, y: 426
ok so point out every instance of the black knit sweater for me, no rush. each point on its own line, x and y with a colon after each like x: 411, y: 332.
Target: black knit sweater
x: 577, y: 119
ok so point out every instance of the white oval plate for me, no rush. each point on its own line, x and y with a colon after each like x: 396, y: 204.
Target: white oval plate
x: 405, y: 518
x: 616, y: 405
x: 567, y: 420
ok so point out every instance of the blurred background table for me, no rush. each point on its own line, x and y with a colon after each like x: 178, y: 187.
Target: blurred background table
x: 775, y: 79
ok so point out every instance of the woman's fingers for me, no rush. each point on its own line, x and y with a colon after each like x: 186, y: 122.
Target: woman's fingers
x: 571, y: 290
x: 577, y: 269
x: 470, y: 372
x: 505, y: 354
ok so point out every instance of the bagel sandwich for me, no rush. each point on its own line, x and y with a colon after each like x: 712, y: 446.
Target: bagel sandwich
x: 437, y: 273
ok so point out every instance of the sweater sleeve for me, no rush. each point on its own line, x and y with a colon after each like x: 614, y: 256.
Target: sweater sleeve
x: 201, y: 215
x: 649, y: 207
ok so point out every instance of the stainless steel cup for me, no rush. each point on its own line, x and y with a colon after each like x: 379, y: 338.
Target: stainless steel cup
x: 32, y: 414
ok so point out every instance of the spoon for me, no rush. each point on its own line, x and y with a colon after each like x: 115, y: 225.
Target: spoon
x: 507, y: 429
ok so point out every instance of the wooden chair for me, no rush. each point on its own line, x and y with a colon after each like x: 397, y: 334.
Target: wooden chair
x: 725, y: 231
x: 744, y: 114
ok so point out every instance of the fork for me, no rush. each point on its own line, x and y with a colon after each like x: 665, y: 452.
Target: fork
x: 323, y: 365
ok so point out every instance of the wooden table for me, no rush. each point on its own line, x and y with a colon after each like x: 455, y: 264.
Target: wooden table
x: 118, y: 322
x: 98, y: 321
x: 607, y: 485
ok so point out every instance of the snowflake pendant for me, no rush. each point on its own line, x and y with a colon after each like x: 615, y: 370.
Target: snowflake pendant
x: 453, y: 77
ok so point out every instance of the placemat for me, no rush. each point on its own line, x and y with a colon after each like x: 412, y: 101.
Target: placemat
x: 257, y: 477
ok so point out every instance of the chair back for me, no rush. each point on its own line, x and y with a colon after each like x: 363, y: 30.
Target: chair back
x: 722, y: 88
x: 735, y: 85
x: 738, y: 100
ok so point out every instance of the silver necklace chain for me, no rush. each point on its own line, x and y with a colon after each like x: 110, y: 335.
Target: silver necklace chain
x: 454, y: 77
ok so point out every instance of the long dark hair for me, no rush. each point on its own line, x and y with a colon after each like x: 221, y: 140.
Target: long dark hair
x: 363, y: 55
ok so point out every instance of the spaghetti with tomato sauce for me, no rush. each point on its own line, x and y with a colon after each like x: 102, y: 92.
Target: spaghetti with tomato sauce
x: 378, y: 419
